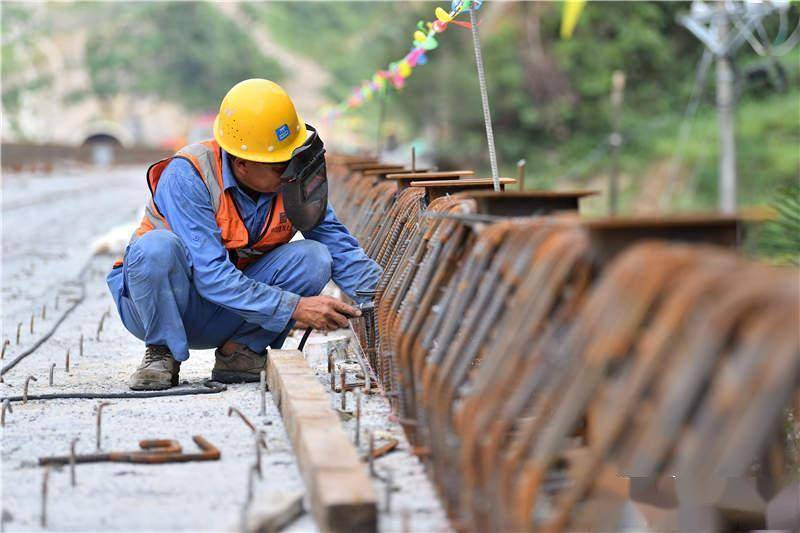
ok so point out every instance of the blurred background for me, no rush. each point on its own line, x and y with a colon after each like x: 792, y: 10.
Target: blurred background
x: 120, y: 77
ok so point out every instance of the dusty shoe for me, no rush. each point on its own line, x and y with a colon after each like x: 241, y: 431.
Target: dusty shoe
x: 243, y: 365
x: 157, y: 371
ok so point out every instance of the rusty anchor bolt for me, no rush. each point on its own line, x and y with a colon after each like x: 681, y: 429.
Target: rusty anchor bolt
x: 44, y: 311
x: 52, y: 368
x: 25, y: 388
x: 100, y: 324
x: 263, y: 376
x: 247, y: 422
x: 72, y: 444
x: 66, y: 361
x: 45, y: 480
x: 80, y: 346
x: 6, y: 343
x: 99, y: 422
x: 6, y: 407
x: 19, y: 331
x: 33, y: 317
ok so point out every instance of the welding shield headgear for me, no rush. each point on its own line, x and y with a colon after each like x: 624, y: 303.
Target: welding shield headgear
x: 305, y: 184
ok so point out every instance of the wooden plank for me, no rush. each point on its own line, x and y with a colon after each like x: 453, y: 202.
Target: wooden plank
x: 341, y: 493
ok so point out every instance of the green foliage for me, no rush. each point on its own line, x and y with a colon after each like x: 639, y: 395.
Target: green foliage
x: 186, y: 52
x: 780, y: 239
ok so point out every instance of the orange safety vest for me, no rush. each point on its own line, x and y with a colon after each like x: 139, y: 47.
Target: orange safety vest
x: 206, y: 158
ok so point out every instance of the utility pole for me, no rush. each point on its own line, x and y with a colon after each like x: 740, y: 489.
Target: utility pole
x: 615, y: 139
x: 725, y: 117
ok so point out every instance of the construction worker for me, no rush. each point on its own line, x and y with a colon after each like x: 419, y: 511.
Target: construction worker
x: 211, y: 265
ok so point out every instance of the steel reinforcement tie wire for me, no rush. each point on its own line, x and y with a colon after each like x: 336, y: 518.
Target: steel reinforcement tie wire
x: 209, y: 387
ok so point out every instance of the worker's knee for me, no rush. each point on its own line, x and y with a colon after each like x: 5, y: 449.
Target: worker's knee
x: 154, y: 254
x: 315, y: 264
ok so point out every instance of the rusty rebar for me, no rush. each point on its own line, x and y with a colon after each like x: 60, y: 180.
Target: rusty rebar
x: 6, y: 407
x: 332, y: 371
x: 52, y: 369
x: 100, y: 324
x: 342, y: 383
x: 66, y: 361
x: 232, y: 410
x: 33, y: 318
x: 25, y: 388
x: 358, y: 418
x: 44, y: 311
x: 263, y: 391
x: 6, y: 343
x: 45, y: 482
x: 260, y: 442
x: 72, y: 479
x: 19, y: 332
x: 99, y: 422
x: 80, y: 346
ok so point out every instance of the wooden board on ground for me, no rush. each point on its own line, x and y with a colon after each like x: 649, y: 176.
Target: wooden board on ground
x: 341, y: 493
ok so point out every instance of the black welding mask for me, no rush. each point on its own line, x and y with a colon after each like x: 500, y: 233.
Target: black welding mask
x: 305, y: 184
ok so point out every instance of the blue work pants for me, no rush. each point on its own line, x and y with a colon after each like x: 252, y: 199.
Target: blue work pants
x: 159, y: 304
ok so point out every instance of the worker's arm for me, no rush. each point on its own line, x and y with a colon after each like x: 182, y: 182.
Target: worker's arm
x: 182, y: 197
x: 352, y: 269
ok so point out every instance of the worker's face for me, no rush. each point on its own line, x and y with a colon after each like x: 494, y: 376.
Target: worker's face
x: 261, y: 177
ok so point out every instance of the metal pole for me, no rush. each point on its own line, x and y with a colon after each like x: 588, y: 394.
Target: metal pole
x: 725, y: 118
x: 487, y: 117
x: 615, y: 139
x: 379, y: 133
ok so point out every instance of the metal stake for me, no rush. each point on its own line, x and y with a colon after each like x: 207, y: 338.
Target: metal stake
x: 6, y: 343
x: 100, y: 324
x: 25, y: 389
x: 487, y: 118
x: 263, y: 376
x: 358, y: 418
x: 259, y: 441
x: 45, y: 480
x: 370, y: 456
x: 66, y: 361
x: 44, y: 311
x: 33, y: 317
x: 389, y: 487
x: 343, y: 395
x: 72, y: 480
x: 99, y: 422
x: 331, y: 371
x: 80, y: 346
x: 52, y: 368
x: 19, y: 331
x: 6, y: 407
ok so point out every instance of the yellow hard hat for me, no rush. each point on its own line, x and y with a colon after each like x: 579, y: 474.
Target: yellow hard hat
x: 257, y: 121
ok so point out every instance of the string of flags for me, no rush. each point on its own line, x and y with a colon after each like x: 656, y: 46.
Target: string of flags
x: 395, y: 75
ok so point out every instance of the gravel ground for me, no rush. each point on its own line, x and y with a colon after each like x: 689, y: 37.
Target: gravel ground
x: 48, y: 225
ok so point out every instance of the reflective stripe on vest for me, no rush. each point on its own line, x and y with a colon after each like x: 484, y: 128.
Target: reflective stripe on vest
x: 206, y: 158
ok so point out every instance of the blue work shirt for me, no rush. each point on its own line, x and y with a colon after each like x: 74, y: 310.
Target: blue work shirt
x: 183, y: 199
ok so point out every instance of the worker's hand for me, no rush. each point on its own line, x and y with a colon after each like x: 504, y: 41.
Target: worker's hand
x: 324, y: 313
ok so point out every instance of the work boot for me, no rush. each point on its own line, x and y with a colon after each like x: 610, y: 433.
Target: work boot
x: 243, y: 365
x: 158, y: 370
